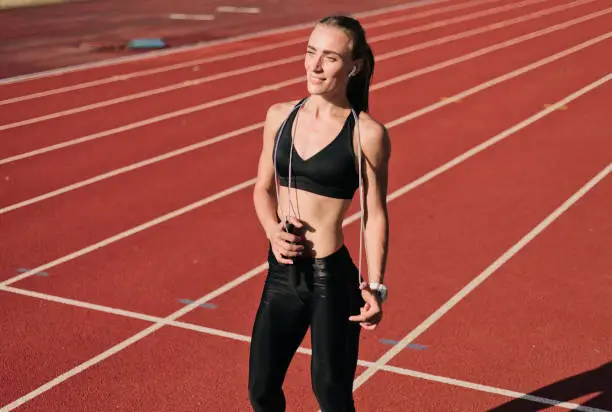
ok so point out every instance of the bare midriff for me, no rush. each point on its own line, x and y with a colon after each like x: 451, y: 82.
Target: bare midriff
x: 321, y: 216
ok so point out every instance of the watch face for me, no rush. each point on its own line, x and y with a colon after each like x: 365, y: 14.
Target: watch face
x: 382, y: 292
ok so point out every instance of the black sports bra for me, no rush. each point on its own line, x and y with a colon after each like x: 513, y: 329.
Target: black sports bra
x: 330, y: 172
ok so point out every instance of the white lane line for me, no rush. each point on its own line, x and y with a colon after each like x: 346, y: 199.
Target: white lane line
x: 256, y: 126
x: 247, y: 339
x: 182, y: 16
x: 276, y: 86
x: 131, y: 167
x: 408, y: 17
x: 238, y: 10
x: 152, y: 92
x: 481, y: 388
x: 207, y: 44
x: 259, y: 269
x: 136, y: 229
x: 226, y: 56
x: 301, y: 349
x: 153, y: 120
x: 434, y: 317
x: 250, y: 69
x: 252, y: 50
x: 124, y: 313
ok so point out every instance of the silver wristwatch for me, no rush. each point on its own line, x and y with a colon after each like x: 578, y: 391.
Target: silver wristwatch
x: 380, y: 289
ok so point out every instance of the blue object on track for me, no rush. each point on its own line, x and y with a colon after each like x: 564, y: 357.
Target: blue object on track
x: 146, y: 44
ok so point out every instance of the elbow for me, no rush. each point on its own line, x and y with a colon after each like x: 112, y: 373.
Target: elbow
x: 262, y: 193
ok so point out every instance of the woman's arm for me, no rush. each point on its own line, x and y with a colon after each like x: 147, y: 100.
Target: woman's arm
x: 264, y: 192
x: 376, y: 151
x: 376, y: 148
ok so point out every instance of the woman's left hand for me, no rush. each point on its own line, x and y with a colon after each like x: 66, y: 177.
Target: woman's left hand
x: 371, y: 313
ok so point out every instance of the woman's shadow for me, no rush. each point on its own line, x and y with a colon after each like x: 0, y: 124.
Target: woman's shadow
x: 596, y: 381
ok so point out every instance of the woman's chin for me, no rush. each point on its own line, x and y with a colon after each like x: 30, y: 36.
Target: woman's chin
x: 319, y: 89
x: 315, y: 89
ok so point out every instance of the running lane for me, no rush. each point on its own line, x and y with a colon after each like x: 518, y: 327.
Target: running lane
x: 159, y: 60
x: 275, y: 47
x: 36, y: 242
x: 48, y: 37
x: 20, y: 177
x: 174, y: 369
x: 110, y: 120
x: 144, y: 273
x: 546, y: 323
x: 42, y: 339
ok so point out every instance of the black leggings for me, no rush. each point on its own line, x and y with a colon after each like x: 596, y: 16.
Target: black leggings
x: 321, y: 293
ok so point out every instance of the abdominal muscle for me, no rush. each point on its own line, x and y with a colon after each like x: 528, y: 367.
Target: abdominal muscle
x: 322, y: 219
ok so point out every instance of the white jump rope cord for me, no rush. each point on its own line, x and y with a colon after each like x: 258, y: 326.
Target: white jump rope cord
x: 362, y: 244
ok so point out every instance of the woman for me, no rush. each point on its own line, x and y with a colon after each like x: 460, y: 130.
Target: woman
x: 318, y: 148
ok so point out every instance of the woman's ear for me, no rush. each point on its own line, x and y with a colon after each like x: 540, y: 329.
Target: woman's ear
x: 357, y: 65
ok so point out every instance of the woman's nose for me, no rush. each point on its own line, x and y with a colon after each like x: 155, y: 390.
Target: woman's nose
x: 316, y: 63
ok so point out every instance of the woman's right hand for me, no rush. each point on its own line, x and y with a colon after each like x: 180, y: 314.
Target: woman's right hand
x: 286, y: 246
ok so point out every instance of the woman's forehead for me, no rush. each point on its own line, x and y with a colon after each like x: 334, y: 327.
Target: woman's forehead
x: 334, y: 39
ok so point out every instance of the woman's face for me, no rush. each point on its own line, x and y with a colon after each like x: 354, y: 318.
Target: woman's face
x: 328, y: 60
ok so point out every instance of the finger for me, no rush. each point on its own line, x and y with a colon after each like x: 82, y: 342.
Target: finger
x: 287, y: 252
x: 285, y: 247
x: 289, y: 238
x: 295, y: 222
x: 359, y: 318
x: 281, y: 259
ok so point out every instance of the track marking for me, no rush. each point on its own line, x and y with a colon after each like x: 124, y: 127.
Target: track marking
x: 480, y: 387
x: 558, y: 108
x: 239, y: 10
x: 251, y: 69
x: 276, y: 86
x: 259, y: 269
x: 434, y: 317
x: 448, y: 100
x: 301, y: 349
x: 203, y: 45
x: 181, y: 16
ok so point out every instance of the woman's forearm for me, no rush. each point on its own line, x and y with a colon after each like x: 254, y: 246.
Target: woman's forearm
x: 265, y: 203
x: 377, y: 244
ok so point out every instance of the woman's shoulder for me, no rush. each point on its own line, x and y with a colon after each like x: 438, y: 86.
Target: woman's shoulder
x: 280, y: 110
x: 371, y: 129
x: 275, y: 116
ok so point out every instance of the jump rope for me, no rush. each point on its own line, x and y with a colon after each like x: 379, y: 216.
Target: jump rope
x: 288, y: 226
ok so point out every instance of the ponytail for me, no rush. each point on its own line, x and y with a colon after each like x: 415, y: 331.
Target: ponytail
x: 358, y: 87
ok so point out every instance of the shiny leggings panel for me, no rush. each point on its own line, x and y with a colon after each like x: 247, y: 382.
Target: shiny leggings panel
x: 319, y: 293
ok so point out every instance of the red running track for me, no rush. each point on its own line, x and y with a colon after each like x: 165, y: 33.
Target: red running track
x: 445, y: 232
x: 151, y: 74
x: 108, y: 119
x: 132, y: 198
x: 50, y: 37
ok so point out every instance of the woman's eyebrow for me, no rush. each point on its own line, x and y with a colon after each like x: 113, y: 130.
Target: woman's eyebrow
x: 312, y: 48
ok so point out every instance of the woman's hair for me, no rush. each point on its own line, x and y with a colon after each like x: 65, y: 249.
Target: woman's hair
x: 358, y: 85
